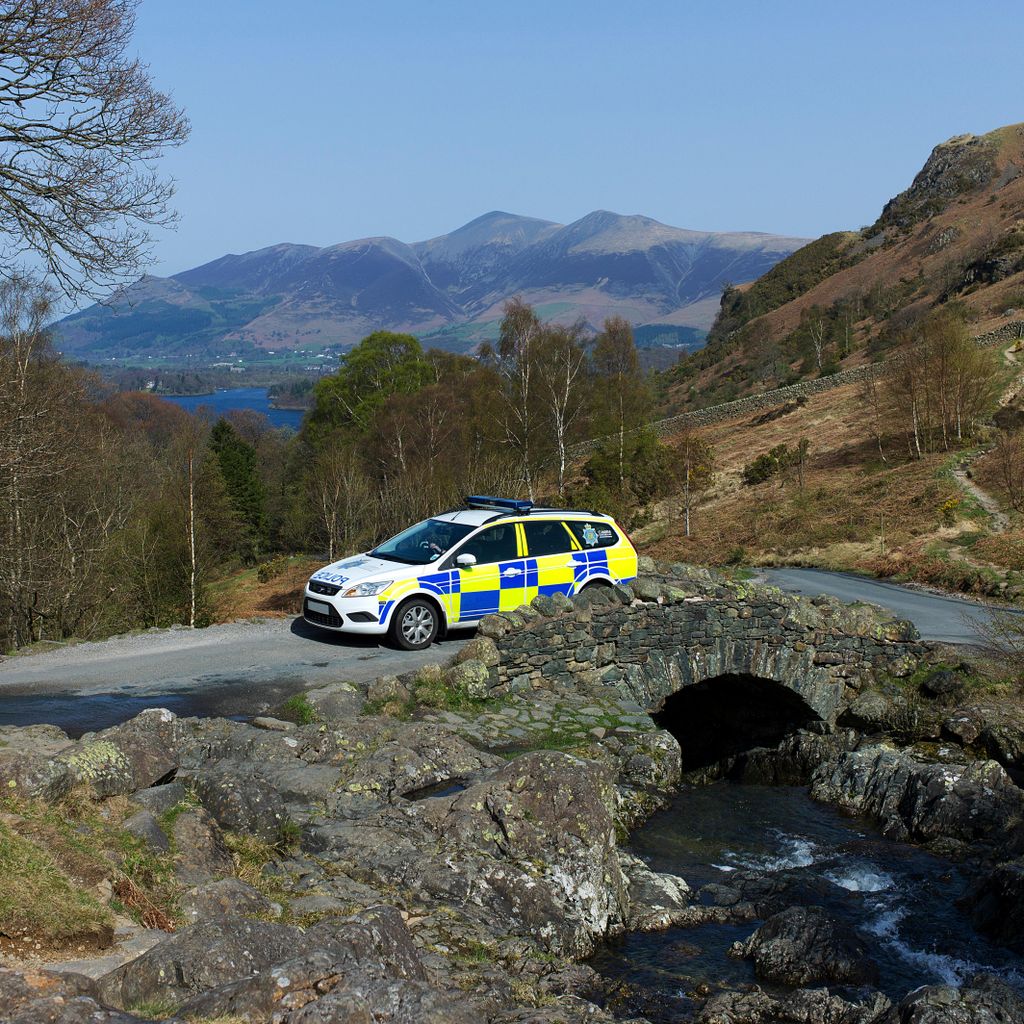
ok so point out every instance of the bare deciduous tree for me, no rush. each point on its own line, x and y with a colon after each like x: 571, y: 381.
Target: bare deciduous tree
x: 517, y: 346
x: 64, y: 492
x: 561, y: 377
x: 696, y: 461
x: 81, y: 126
x: 617, y: 365
x: 1008, y: 458
x: 940, y: 383
x: 1002, y: 634
x: 872, y: 397
x: 342, y: 496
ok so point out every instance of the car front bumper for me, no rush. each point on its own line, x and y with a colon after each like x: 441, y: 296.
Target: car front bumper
x: 344, y: 615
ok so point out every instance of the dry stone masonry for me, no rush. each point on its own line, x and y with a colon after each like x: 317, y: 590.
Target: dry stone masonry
x: 793, y: 392
x: 680, y: 626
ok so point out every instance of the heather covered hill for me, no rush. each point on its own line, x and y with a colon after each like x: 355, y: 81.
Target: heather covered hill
x: 450, y: 288
x: 953, y: 238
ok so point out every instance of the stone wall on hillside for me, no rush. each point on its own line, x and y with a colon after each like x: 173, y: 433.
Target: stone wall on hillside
x: 791, y: 393
x: 673, y: 629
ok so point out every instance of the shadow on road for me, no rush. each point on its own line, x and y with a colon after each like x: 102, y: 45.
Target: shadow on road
x: 300, y: 627
x: 353, y: 641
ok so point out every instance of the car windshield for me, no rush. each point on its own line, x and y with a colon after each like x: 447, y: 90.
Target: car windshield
x: 423, y: 543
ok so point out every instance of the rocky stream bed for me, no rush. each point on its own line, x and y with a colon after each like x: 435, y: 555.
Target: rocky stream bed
x: 430, y: 849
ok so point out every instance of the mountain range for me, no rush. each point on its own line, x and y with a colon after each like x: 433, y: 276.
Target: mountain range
x: 448, y: 290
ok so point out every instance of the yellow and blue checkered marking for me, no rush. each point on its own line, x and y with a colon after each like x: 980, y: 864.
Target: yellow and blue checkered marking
x: 470, y: 594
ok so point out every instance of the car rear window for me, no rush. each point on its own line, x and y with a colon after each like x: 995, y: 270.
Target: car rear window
x: 547, y: 538
x: 594, y: 533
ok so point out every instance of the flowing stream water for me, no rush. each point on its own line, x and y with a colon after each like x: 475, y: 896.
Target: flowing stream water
x: 900, y: 899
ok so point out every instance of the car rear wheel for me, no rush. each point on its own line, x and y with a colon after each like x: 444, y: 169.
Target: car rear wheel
x: 414, y: 625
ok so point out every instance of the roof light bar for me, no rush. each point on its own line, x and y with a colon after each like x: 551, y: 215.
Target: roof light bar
x: 485, y: 501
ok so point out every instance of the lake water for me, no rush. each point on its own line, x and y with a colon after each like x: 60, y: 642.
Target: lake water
x: 221, y: 402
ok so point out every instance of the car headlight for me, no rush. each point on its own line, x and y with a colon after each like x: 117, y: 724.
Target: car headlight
x: 367, y: 589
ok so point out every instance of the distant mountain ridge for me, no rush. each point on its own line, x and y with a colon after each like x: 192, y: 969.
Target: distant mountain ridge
x: 450, y: 288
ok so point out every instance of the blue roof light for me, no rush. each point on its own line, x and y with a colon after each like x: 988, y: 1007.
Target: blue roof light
x: 485, y: 501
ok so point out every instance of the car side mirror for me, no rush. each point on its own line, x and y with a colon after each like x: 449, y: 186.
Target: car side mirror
x: 466, y: 561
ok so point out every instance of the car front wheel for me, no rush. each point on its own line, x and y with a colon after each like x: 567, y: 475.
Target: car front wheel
x: 415, y: 625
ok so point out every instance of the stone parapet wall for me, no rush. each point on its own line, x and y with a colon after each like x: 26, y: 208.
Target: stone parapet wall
x: 674, y: 628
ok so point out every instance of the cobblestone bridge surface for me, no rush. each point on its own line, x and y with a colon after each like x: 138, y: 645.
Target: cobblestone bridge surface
x: 678, y: 626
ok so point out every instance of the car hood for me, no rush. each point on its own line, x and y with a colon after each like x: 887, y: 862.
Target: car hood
x: 361, y: 568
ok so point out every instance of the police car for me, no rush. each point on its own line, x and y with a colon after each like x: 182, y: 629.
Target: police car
x: 492, y: 555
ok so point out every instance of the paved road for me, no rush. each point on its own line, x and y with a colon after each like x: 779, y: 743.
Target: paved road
x: 240, y: 668
x: 950, y: 619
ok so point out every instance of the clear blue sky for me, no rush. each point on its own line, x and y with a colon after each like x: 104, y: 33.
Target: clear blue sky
x: 318, y: 121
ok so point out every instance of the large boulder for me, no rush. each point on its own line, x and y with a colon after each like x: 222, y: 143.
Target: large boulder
x: 364, y: 967
x: 199, y: 958
x: 536, y: 843
x: 200, y: 854
x: 48, y: 998
x: 239, y: 799
x: 532, y: 845
x: 996, y: 904
x: 34, y: 777
x: 873, y: 712
x: 128, y: 757
x: 984, y: 1000
x: 414, y: 756
x: 804, y: 1006
x: 152, y: 743
x: 804, y: 946
x: 227, y: 897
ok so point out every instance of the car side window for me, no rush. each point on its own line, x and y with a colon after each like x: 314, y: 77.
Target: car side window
x: 594, y: 534
x: 495, y: 544
x: 547, y: 538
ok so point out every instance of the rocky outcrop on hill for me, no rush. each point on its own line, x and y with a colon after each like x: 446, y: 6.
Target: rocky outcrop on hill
x: 962, y: 164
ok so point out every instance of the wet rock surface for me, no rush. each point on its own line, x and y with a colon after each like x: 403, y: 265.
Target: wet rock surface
x: 804, y: 946
x: 984, y: 1000
x: 950, y: 805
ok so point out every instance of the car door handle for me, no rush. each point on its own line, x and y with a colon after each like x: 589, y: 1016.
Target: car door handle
x: 512, y: 572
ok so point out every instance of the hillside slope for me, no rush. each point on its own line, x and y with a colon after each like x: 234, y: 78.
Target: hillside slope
x: 943, y: 519
x: 449, y: 289
x: 955, y: 236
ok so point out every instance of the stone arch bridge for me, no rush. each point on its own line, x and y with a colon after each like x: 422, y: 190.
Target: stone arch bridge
x: 690, y: 644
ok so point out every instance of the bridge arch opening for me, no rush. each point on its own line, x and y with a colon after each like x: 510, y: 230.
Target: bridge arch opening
x: 728, y: 714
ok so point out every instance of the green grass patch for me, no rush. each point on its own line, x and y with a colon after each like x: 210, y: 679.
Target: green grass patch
x: 472, y: 951
x: 153, y: 1009
x: 251, y: 857
x: 84, y: 840
x: 432, y: 690
x: 298, y: 709
x: 168, y: 818
x: 40, y: 901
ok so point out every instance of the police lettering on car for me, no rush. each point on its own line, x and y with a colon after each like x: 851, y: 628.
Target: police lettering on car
x: 448, y: 572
